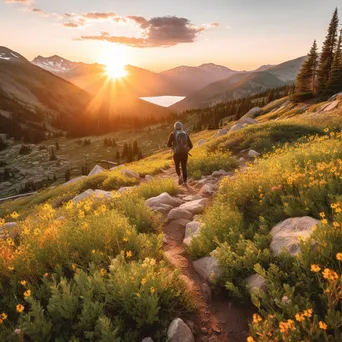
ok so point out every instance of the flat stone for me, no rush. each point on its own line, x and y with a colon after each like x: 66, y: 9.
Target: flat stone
x: 84, y: 195
x: 195, y: 207
x: 190, y: 198
x: 179, y: 213
x: 331, y: 106
x: 163, y: 208
x: 103, y: 194
x: 130, y: 174
x: 96, y: 170
x: 219, y: 173
x: 207, y: 190
x: 163, y: 198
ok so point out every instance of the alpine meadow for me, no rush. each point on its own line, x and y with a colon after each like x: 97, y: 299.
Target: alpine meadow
x: 176, y: 176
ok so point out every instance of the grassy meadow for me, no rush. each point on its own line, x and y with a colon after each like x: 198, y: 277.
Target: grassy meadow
x: 95, y: 271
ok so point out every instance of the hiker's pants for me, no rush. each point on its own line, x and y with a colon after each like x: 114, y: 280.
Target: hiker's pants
x: 181, y: 159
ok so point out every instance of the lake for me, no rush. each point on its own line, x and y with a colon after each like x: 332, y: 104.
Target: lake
x: 164, y: 101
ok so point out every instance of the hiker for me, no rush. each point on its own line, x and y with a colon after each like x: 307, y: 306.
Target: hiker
x: 181, y: 144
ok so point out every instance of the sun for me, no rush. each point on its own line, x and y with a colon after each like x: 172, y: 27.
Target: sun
x: 116, y: 70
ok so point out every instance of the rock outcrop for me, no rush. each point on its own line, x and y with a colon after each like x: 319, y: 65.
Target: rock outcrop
x: 208, y: 268
x: 130, y: 174
x: 256, y: 281
x: 285, y: 235
x: 178, y: 331
x: 191, y: 229
x: 96, y: 170
x: 195, y: 207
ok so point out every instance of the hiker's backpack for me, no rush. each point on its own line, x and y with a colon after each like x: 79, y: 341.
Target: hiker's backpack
x: 181, y: 142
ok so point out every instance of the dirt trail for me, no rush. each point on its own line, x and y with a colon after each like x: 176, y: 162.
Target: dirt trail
x: 216, y: 319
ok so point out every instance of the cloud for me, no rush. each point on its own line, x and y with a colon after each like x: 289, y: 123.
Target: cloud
x: 156, y: 32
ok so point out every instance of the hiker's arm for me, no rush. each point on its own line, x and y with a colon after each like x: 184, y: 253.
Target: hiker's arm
x: 190, y: 143
x: 170, y: 141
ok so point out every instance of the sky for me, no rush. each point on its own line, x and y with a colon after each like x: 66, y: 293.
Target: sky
x: 162, y: 34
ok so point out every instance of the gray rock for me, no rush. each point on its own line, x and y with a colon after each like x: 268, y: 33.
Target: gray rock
x: 208, y: 268
x: 253, y: 154
x: 75, y: 180
x: 192, y: 229
x: 100, y: 194
x: 179, y: 213
x: 148, y: 178
x: 218, y: 174
x: 84, y: 195
x: 163, y: 198
x: 190, y: 198
x: 9, y: 228
x: 130, y: 174
x: 256, y: 281
x: 207, y: 190
x: 236, y: 127
x: 221, y: 132
x: 334, y: 97
x: 333, y: 105
x: 200, y: 142
x: 96, y: 170
x: 195, y: 207
x: 126, y: 189
x: 178, y: 331
x: 253, y: 112
x: 163, y: 208
x: 147, y: 339
x: 285, y: 235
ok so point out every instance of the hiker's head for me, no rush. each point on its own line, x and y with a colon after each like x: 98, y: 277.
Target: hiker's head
x: 178, y: 125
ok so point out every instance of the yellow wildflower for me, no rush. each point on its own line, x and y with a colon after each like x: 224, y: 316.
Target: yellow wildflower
x: 125, y: 239
x: 308, y: 313
x: 300, y: 317
x: 315, y: 268
x: 27, y: 293
x: 20, y: 308
x: 81, y: 214
x: 10, y: 268
x: 143, y: 281
x: 128, y: 254
x: 152, y: 289
x: 23, y: 282
x: 45, y: 275
x: 339, y: 256
x: 14, y: 215
x: 2, y: 221
x: 103, y: 208
x: 329, y: 274
x: 93, y: 251
x: 103, y: 272
x: 250, y: 339
x: 322, y: 214
x: 256, y: 318
x: 3, y: 316
x: 323, y: 325
x: 324, y: 221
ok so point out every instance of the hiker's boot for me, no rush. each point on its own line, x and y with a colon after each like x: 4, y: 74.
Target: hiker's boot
x: 180, y: 180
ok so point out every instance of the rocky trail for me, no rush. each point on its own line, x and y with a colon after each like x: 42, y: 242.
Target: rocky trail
x: 216, y: 318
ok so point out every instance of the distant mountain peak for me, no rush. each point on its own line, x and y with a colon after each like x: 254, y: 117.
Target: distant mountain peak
x: 265, y: 67
x: 10, y: 55
x: 55, y: 64
x: 213, y: 66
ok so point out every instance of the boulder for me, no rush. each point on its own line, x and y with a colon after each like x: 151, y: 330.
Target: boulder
x: 191, y: 229
x: 253, y: 154
x: 130, y: 174
x: 75, y: 180
x: 163, y: 198
x: 207, y: 190
x: 96, y: 170
x: 10, y: 229
x: 163, y: 208
x: 334, y: 97
x: 221, y: 132
x: 84, y: 195
x: 242, y: 159
x: 236, y: 127
x: 285, y: 235
x: 246, y: 121
x: 256, y: 281
x: 195, y: 207
x: 190, y: 198
x: 178, y: 331
x: 126, y: 189
x: 147, y: 339
x: 208, y: 268
x: 148, y: 178
x: 100, y: 194
x: 200, y: 142
x: 179, y: 213
x: 220, y: 173
x: 114, y: 167
x: 253, y: 112
x: 331, y: 106
x: 206, y: 292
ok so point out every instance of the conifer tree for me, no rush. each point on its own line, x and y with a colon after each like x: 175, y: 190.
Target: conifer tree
x: 327, y: 56
x: 135, y: 148
x: 306, y: 79
x: 334, y: 84
x: 125, y: 150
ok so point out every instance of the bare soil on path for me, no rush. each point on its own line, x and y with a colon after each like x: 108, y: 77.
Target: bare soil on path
x: 216, y: 318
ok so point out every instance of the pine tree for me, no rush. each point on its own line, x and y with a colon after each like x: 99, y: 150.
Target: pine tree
x: 327, y: 56
x: 135, y: 148
x: 306, y: 79
x: 334, y: 84
x: 125, y: 150
x: 118, y: 156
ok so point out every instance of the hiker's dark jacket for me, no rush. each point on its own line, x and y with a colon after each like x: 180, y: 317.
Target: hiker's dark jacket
x: 171, y: 141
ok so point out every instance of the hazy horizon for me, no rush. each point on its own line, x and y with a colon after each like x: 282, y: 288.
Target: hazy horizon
x: 159, y: 36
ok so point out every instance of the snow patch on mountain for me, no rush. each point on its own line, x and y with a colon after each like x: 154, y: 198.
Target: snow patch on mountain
x: 54, y: 64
